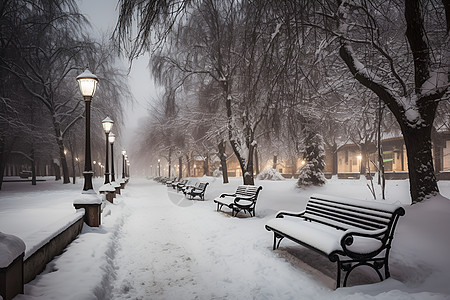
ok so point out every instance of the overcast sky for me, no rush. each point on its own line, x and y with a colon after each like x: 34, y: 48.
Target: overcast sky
x: 103, y: 17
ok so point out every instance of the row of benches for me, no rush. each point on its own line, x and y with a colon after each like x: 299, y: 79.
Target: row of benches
x: 244, y: 199
x: 351, y: 233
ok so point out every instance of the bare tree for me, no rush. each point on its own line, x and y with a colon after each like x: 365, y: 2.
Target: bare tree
x: 412, y: 102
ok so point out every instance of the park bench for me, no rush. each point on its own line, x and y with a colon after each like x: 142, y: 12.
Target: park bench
x: 197, y: 191
x: 25, y: 174
x: 187, y: 187
x: 181, y: 185
x: 169, y: 181
x: 243, y: 199
x: 350, y: 232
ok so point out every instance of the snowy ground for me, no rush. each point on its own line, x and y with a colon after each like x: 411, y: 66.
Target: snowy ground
x: 155, y: 244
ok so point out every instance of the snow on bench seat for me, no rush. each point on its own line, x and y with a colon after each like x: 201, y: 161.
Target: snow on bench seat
x: 348, y: 231
x: 244, y: 199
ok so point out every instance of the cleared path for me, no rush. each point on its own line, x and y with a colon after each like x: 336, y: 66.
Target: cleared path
x: 173, y: 248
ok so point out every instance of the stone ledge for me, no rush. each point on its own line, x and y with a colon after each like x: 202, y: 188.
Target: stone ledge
x: 37, y: 261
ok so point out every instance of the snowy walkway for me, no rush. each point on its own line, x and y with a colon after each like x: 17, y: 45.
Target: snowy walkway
x: 155, y: 244
x: 173, y: 248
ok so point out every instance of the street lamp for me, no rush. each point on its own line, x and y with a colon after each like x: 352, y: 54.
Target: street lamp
x: 107, y: 126
x: 124, y: 152
x: 159, y: 167
x: 112, y: 138
x: 87, y: 83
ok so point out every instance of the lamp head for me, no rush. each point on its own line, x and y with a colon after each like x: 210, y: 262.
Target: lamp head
x: 87, y: 83
x: 107, y: 125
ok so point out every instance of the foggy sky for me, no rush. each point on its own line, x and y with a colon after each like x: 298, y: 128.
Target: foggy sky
x: 102, y: 15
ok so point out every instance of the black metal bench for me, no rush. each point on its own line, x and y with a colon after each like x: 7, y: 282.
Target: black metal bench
x: 169, y: 181
x: 243, y: 199
x: 25, y: 174
x: 350, y: 232
x: 180, y: 185
x: 197, y: 191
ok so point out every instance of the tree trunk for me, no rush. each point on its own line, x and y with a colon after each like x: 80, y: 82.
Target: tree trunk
x: 188, y: 165
x: 438, y: 145
x: 33, y: 167
x: 57, y: 170
x: 334, y: 159
x: 223, y: 160
x: 180, y: 167
x: 257, y: 170
x: 422, y: 179
x: 363, y: 160
x: 275, y: 162
x: 3, y: 158
x: 247, y: 169
x: 246, y: 166
x: 169, y: 160
x: 206, y: 165
x: 73, y: 169
x: 62, y: 156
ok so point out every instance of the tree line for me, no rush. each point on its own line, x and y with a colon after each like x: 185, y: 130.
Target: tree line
x: 271, y: 75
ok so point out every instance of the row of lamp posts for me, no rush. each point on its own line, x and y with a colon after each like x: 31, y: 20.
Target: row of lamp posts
x: 90, y: 202
x: 12, y: 276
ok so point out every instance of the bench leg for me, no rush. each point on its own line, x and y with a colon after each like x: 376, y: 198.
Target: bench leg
x: 276, y: 244
x: 349, y: 265
x: 338, y: 275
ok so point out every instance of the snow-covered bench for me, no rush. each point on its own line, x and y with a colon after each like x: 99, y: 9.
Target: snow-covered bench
x: 243, y: 199
x: 350, y: 232
x: 197, y: 191
x: 181, y: 185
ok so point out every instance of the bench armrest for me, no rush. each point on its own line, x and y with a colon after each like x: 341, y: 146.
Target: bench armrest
x: 281, y: 214
x: 248, y: 198
x: 361, y: 243
x: 225, y: 194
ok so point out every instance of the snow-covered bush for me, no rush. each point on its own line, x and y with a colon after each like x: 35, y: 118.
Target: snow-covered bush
x: 314, y: 154
x: 270, y: 174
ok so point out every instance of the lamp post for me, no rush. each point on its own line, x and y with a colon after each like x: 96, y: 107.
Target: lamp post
x: 159, y: 167
x: 124, y: 152
x: 78, y: 165
x: 107, y: 126
x: 88, y: 84
x: 112, y: 138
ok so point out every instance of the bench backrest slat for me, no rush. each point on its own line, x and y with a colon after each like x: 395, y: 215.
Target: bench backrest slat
x: 248, y: 190
x: 241, y: 190
x: 342, y: 215
x: 202, y: 186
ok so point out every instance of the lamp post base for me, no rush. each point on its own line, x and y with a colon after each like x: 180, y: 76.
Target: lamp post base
x: 88, y: 180
x: 92, y: 214
x: 92, y: 205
